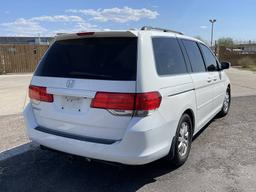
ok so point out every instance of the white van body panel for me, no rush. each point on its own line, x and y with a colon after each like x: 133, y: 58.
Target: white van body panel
x: 62, y: 116
x: 134, y: 140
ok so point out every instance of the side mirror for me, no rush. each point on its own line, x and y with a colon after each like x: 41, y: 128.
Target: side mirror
x: 225, y: 65
x: 211, y: 68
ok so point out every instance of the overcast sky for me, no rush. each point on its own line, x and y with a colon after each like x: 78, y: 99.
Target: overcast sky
x: 235, y: 18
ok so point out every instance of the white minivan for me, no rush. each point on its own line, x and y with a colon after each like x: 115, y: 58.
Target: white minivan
x: 130, y: 97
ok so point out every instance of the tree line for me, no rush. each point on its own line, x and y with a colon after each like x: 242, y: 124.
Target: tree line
x: 224, y: 41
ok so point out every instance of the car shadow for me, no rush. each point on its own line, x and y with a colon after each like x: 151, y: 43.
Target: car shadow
x: 204, y: 128
x: 43, y: 170
x: 217, y: 117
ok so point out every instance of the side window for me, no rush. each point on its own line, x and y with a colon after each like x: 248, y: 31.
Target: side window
x: 194, y: 55
x: 168, y: 56
x: 210, y: 60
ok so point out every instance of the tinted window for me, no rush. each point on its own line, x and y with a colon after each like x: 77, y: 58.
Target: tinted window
x: 208, y: 56
x: 194, y: 55
x: 168, y: 56
x: 91, y: 58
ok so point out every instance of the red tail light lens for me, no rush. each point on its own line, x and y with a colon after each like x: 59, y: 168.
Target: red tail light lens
x: 148, y: 101
x: 40, y: 94
x: 120, y: 101
x: 127, y: 101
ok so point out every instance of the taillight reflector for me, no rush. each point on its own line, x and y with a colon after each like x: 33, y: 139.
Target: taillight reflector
x: 40, y: 94
x: 127, y: 101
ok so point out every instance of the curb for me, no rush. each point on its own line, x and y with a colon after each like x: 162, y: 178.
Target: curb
x: 17, y: 75
x: 17, y: 150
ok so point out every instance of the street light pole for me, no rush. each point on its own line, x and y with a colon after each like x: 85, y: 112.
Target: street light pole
x: 212, y: 21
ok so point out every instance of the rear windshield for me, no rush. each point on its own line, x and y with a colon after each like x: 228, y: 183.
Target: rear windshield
x: 91, y: 58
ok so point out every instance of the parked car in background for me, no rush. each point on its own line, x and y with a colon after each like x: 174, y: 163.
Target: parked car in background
x: 130, y: 97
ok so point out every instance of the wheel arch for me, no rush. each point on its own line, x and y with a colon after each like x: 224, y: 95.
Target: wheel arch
x: 229, y: 90
x: 229, y: 87
x: 190, y: 112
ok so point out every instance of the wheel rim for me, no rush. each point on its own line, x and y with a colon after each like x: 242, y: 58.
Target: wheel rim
x: 183, y: 139
x: 226, y: 102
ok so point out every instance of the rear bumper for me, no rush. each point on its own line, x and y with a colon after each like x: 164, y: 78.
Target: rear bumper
x: 138, y: 146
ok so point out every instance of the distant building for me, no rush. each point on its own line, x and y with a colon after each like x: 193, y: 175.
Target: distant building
x: 26, y: 40
x: 247, y: 48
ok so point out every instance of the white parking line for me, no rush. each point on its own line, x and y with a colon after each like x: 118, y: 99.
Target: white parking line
x: 17, y: 150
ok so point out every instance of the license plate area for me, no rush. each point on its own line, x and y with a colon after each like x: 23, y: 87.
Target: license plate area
x: 73, y: 104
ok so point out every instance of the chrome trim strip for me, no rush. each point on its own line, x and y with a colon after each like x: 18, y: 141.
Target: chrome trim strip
x: 181, y: 92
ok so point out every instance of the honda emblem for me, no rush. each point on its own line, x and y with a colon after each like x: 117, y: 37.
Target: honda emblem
x: 70, y: 83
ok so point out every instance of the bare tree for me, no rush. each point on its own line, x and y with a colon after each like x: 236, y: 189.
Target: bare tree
x: 226, y: 42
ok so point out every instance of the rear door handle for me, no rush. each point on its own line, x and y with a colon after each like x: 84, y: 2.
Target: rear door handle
x: 209, y: 80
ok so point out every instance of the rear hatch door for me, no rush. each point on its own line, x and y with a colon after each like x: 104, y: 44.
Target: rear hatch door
x: 73, y: 70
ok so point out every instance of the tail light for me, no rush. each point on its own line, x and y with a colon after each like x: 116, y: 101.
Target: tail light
x: 147, y: 101
x: 40, y: 94
x: 138, y: 104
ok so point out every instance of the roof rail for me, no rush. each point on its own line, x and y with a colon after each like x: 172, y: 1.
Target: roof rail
x: 149, y: 28
x: 57, y: 34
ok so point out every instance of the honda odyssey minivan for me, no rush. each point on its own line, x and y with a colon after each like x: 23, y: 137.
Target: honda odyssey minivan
x: 130, y: 97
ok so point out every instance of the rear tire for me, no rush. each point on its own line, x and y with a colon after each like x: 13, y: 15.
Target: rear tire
x: 226, y: 104
x: 182, y: 141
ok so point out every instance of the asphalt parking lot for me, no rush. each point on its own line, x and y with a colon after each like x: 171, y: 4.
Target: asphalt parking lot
x: 223, y: 158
